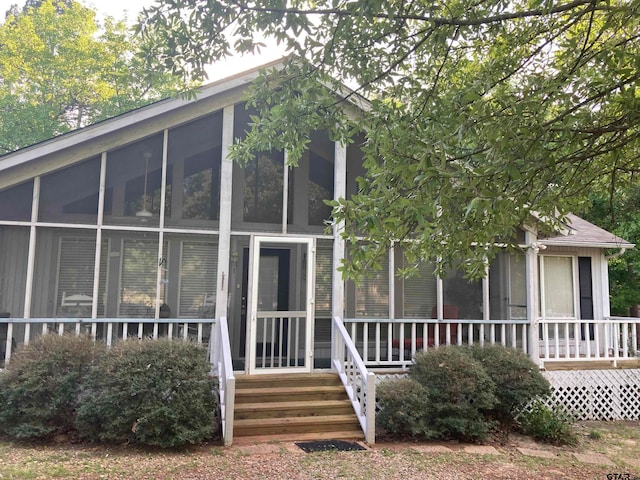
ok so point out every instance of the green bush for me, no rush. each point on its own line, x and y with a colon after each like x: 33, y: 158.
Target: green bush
x: 403, y: 407
x: 39, y: 389
x: 149, y: 392
x: 517, y: 379
x: 458, y: 390
x: 549, y: 425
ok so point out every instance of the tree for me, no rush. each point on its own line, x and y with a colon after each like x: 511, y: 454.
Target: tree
x: 60, y: 70
x: 480, y: 114
x: 619, y: 214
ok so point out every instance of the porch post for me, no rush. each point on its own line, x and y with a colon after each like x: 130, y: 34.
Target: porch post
x: 532, y: 285
x: 224, y: 237
x: 32, y: 249
x: 337, y: 284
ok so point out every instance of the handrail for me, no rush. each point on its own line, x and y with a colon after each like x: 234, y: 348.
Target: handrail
x: 221, y: 361
x: 359, y: 383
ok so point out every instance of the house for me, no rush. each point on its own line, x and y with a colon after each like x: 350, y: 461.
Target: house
x: 141, y: 225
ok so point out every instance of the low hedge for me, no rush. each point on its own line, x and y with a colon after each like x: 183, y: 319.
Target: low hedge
x: 148, y: 392
x: 460, y: 392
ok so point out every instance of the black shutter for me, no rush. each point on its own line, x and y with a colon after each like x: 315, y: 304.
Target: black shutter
x: 586, y: 293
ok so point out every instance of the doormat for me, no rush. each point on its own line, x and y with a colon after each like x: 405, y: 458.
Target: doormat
x: 329, y: 446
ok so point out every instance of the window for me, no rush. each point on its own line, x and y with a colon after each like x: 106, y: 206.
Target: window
x: 74, y: 297
x: 263, y: 188
x: 420, y: 292
x: 372, y: 293
x: 71, y: 194
x: 507, y: 287
x: 558, y: 293
x: 134, y: 183
x: 138, y: 278
x: 194, y: 159
x: 324, y: 271
x: 463, y: 295
x: 198, y: 271
x: 15, y: 202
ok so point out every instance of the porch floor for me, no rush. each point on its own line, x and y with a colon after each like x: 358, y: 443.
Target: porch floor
x: 592, y: 364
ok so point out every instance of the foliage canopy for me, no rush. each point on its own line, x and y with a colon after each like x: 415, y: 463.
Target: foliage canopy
x: 61, y: 70
x: 479, y: 113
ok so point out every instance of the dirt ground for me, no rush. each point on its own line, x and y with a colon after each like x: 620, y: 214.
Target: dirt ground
x: 607, y: 450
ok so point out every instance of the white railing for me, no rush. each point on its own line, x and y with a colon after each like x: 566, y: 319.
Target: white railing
x: 612, y: 339
x: 359, y: 383
x: 280, y: 338
x: 223, y: 367
x: 14, y: 331
x: 393, y: 343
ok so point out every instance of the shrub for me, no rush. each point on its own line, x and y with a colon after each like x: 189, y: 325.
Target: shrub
x: 517, y: 379
x: 549, y: 424
x: 403, y: 407
x: 39, y: 389
x: 150, y: 392
x: 458, y: 390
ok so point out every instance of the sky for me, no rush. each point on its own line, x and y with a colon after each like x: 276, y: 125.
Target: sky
x: 118, y: 9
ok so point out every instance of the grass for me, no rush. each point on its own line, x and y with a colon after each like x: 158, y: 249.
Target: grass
x: 618, y: 440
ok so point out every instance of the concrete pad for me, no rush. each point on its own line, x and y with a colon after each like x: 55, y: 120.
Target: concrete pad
x: 431, y: 449
x: 530, y: 452
x: 480, y: 449
x: 594, y: 458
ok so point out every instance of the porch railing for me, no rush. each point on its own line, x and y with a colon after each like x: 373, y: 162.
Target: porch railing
x: 221, y: 362
x: 384, y: 343
x: 612, y: 339
x: 393, y: 343
x: 359, y: 383
x: 14, y: 331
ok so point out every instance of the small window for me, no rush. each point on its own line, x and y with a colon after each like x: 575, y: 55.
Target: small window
x: 558, y: 287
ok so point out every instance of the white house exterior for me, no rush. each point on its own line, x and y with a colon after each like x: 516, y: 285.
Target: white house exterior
x: 142, y: 225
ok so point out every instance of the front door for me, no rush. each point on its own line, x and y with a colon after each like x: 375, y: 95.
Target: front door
x: 280, y: 305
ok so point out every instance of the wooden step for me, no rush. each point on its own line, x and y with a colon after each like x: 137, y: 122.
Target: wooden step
x: 298, y: 380
x: 293, y: 409
x: 287, y: 394
x: 296, y: 425
x: 299, y: 437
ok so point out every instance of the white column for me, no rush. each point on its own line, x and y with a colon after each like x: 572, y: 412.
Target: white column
x: 392, y: 276
x: 285, y: 193
x: 96, y: 266
x: 486, y: 311
x: 337, y: 284
x: 162, y: 260
x: 224, y: 237
x: 32, y: 248
x: 339, y: 191
x: 532, y: 285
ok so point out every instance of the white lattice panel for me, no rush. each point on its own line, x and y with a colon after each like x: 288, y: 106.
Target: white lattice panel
x: 597, y: 394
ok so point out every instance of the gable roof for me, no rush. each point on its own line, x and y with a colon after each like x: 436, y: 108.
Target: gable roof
x: 125, y: 128
x: 83, y: 143
x: 581, y: 233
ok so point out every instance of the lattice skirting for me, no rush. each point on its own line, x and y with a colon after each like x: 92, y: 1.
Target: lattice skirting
x: 597, y: 394
x: 590, y: 394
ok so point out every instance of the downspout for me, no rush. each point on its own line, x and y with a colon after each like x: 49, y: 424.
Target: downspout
x: 616, y: 255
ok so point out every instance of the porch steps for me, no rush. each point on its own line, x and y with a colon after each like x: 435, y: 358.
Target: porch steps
x: 293, y: 407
